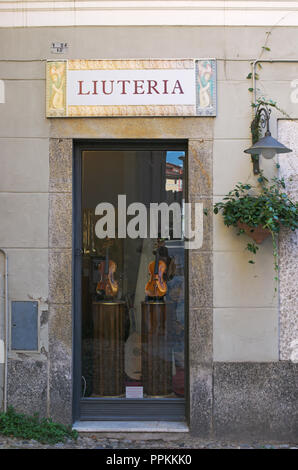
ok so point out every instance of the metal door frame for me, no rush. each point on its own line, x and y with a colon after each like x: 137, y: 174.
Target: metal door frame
x: 120, y: 409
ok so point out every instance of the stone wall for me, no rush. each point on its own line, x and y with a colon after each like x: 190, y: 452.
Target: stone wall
x: 60, y: 281
x: 256, y: 401
x: 288, y: 249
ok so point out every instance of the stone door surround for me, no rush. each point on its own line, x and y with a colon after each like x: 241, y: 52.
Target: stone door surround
x: 199, y: 134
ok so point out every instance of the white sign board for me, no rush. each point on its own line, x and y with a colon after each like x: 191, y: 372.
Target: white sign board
x: 78, y: 88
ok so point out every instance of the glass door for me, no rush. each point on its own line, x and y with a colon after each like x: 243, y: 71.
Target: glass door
x: 130, y: 280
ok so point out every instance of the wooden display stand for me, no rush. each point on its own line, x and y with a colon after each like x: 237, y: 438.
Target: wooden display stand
x: 108, y: 348
x: 156, y: 349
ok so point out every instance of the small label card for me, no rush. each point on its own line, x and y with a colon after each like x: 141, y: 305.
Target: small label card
x: 134, y: 392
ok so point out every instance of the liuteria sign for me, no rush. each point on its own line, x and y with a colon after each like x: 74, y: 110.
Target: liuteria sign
x: 82, y: 88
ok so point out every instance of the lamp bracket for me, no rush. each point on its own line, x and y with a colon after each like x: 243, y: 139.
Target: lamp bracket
x: 261, y: 119
x: 256, y: 164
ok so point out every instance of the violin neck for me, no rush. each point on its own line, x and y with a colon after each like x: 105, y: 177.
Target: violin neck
x: 107, y: 262
x: 156, y: 261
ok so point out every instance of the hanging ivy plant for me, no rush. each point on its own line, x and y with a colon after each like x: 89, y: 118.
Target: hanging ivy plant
x: 260, y: 213
x: 253, y: 211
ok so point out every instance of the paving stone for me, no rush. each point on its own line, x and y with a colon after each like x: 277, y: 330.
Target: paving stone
x: 107, y: 443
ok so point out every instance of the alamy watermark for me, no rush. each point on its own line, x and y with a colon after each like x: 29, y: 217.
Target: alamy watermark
x: 159, y: 220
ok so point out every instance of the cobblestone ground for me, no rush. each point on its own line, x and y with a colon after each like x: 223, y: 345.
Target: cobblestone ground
x: 96, y: 442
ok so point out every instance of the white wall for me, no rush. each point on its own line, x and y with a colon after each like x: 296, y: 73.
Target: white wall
x: 144, y: 12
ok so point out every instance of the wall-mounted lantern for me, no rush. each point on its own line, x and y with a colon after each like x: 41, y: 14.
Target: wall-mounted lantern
x: 267, y: 146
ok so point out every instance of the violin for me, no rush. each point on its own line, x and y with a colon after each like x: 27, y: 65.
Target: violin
x: 156, y: 286
x: 107, y: 286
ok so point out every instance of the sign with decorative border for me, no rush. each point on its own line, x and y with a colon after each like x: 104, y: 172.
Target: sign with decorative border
x: 133, y: 87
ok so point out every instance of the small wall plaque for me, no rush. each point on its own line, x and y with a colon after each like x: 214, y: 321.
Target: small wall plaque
x: 58, y: 47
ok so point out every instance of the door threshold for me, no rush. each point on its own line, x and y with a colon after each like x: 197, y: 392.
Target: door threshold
x: 130, y: 426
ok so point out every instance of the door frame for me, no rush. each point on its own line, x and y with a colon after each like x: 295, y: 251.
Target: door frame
x: 146, y: 409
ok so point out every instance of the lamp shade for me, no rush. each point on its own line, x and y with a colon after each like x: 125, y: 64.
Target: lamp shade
x: 267, y: 145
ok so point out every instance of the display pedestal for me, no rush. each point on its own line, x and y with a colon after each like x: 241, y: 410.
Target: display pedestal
x: 156, y: 349
x: 108, y: 348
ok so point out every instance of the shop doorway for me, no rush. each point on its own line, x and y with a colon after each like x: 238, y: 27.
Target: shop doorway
x: 130, y: 281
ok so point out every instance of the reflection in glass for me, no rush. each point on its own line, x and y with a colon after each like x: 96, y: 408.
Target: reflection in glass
x: 132, y: 288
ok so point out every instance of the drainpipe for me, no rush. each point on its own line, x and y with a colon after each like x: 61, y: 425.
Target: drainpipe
x: 6, y: 330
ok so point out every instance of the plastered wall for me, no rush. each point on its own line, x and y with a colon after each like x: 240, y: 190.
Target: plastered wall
x: 245, y: 310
